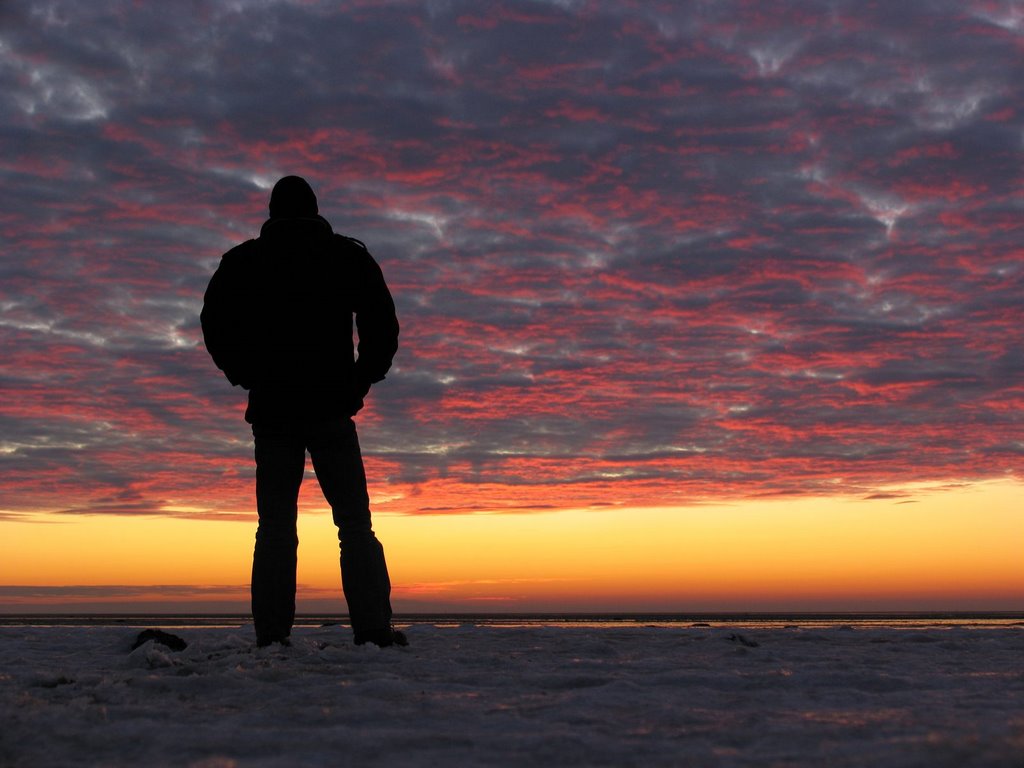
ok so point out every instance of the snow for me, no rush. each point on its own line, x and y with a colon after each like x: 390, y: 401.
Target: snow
x: 468, y: 694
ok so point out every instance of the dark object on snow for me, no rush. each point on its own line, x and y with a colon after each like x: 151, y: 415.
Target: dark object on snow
x: 56, y: 682
x: 173, y: 642
x: 743, y: 641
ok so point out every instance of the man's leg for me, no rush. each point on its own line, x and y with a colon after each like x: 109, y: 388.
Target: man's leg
x: 280, y: 462
x: 338, y: 464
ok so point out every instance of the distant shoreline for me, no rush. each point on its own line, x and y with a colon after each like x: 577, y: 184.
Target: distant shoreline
x: 765, y: 619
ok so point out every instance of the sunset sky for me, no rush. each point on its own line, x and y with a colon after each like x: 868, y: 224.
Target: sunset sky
x: 704, y: 305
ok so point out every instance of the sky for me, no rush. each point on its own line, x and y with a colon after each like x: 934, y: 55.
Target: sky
x: 703, y: 304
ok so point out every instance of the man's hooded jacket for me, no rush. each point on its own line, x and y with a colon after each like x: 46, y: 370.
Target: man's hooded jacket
x: 277, y: 320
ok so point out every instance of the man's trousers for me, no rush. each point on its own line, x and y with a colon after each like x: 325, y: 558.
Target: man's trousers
x: 338, y: 464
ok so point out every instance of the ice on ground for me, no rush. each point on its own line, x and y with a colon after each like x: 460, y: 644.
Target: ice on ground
x: 494, y: 696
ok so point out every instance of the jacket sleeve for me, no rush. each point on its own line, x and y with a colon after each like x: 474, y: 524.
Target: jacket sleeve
x: 376, y: 323
x: 227, y: 322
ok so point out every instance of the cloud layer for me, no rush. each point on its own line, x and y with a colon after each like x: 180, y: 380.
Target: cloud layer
x: 643, y: 253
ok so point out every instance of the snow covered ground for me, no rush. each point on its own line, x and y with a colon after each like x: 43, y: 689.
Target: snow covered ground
x: 513, y: 696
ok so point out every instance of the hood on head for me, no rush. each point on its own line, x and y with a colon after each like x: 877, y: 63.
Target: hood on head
x: 292, y: 197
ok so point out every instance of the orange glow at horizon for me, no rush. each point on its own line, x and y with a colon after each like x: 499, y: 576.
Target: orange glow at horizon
x: 954, y: 550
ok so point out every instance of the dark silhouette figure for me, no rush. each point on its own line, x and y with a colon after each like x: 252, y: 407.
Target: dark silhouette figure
x: 277, y: 320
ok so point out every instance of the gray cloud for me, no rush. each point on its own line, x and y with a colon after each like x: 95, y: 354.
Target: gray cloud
x: 644, y: 253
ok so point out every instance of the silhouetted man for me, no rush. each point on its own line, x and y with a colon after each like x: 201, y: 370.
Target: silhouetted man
x: 277, y: 319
